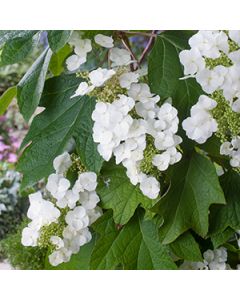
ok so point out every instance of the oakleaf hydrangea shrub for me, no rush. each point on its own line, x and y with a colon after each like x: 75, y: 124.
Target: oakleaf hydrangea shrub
x: 138, y: 141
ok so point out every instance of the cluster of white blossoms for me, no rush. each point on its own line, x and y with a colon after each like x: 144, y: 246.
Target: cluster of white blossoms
x: 214, y: 60
x: 62, y: 222
x: 212, y: 260
x: 201, y: 125
x: 81, y: 48
x: 232, y: 149
x: 208, y: 47
x: 123, y: 126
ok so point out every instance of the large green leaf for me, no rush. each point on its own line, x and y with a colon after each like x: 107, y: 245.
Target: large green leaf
x: 186, y: 247
x: 117, y: 193
x: 16, y: 49
x: 220, y: 238
x: 6, y: 98
x: 31, y: 85
x: 194, y: 187
x: 135, y: 246
x: 185, y: 96
x: 58, y: 38
x: 6, y: 35
x: 51, y: 131
x: 228, y: 215
x: 164, y: 67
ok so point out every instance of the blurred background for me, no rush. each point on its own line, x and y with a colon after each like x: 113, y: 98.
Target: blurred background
x: 13, y: 201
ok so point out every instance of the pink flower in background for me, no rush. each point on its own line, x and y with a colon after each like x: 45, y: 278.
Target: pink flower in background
x: 16, y: 144
x: 3, y: 147
x: 3, y: 118
x: 12, y: 158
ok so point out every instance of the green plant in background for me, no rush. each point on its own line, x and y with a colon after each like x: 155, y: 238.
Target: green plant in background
x: 13, y: 205
x: 21, y: 257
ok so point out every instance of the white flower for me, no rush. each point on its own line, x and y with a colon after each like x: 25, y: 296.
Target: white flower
x: 30, y: 235
x: 211, y: 80
x: 232, y: 149
x: 57, y: 185
x: 126, y: 79
x: 124, y: 150
x: 42, y: 212
x: 82, y: 47
x: 207, y: 42
x: 175, y: 156
x: 119, y: 57
x: 221, y: 41
x: 140, y: 92
x: 163, y: 141
x: 86, y: 181
x: 57, y: 241
x: 70, y: 199
x: 235, y: 57
x: 226, y: 148
x: 79, y: 239
x: 216, y: 259
x: 161, y: 161
x: 99, y: 76
x: 83, y: 89
x: 235, y: 35
x: 59, y: 256
x: 62, y: 163
x: 236, y: 106
x: 77, y: 219
x: 150, y: 187
x: 89, y: 200
x: 201, y: 125
x: 104, y: 40
x: 192, y: 61
x: 74, y: 62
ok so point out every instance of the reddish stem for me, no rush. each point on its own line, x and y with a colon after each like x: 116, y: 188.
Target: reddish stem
x: 148, y: 46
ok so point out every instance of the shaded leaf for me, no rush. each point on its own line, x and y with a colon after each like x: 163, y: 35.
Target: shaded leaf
x: 6, y: 35
x: 186, y: 247
x: 222, y: 237
x: 117, y: 193
x: 135, y: 246
x: 56, y: 65
x: 16, y: 49
x: 194, y: 187
x: 31, y: 85
x: 6, y: 98
x: 228, y: 215
x: 51, y: 131
x: 164, y: 67
x: 58, y: 38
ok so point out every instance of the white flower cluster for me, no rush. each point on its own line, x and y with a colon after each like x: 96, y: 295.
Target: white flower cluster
x: 232, y: 149
x: 76, y: 206
x: 211, y: 45
x: 81, y: 49
x: 213, y: 260
x: 201, y: 125
x: 97, y: 78
x: 118, y: 133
